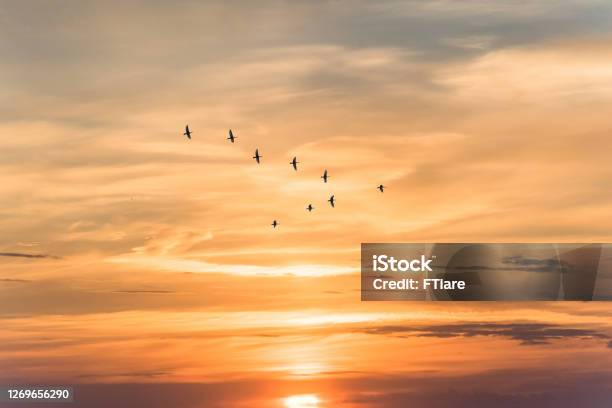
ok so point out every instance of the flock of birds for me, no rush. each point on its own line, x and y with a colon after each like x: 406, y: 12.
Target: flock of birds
x: 293, y: 163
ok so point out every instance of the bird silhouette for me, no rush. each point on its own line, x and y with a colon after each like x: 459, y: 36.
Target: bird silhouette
x: 231, y: 136
x: 325, y: 176
x: 187, y: 132
x: 381, y: 188
x: 257, y: 156
x: 294, y: 163
x: 310, y: 207
x: 332, y: 201
x: 275, y: 224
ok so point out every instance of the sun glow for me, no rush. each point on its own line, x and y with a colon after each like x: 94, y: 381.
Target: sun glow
x: 302, y: 401
x: 306, y: 369
x: 197, y: 266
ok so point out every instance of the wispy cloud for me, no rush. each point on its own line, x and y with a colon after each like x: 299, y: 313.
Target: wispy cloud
x: 144, y: 291
x: 27, y: 256
x: 197, y: 266
x: 525, y: 333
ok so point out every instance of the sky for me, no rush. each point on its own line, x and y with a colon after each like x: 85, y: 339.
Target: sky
x: 130, y: 255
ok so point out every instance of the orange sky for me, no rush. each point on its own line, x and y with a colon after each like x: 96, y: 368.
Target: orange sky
x: 156, y: 259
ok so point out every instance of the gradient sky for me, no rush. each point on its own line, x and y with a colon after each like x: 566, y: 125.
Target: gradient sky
x: 129, y: 254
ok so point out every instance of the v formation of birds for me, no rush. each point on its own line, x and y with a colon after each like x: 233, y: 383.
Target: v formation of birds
x: 293, y: 163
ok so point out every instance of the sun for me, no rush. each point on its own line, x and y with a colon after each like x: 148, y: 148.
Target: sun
x: 302, y: 401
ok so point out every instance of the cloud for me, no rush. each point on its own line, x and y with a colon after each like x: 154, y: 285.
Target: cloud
x: 199, y: 266
x: 524, y: 333
x: 534, y: 264
x: 553, y: 75
x: 516, y: 263
x: 144, y: 291
x: 28, y: 256
x: 130, y: 375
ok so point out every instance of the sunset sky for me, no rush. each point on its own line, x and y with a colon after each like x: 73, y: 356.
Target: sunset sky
x: 131, y: 256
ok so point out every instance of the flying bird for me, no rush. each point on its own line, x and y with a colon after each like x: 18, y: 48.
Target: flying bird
x: 187, y: 132
x: 310, y: 207
x: 231, y: 136
x: 381, y: 188
x: 275, y: 224
x: 332, y: 201
x: 325, y: 176
x: 294, y: 163
x: 257, y: 156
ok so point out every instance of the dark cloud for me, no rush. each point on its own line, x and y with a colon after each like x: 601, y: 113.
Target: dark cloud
x: 525, y: 333
x: 144, y: 291
x: 28, y: 256
x: 481, y: 399
x: 128, y: 374
x: 541, y: 388
x: 11, y: 280
x: 515, y: 263
x: 76, y: 52
x: 534, y: 264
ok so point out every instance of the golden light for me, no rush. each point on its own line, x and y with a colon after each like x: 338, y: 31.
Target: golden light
x: 302, y: 401
x: 306, y: 369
